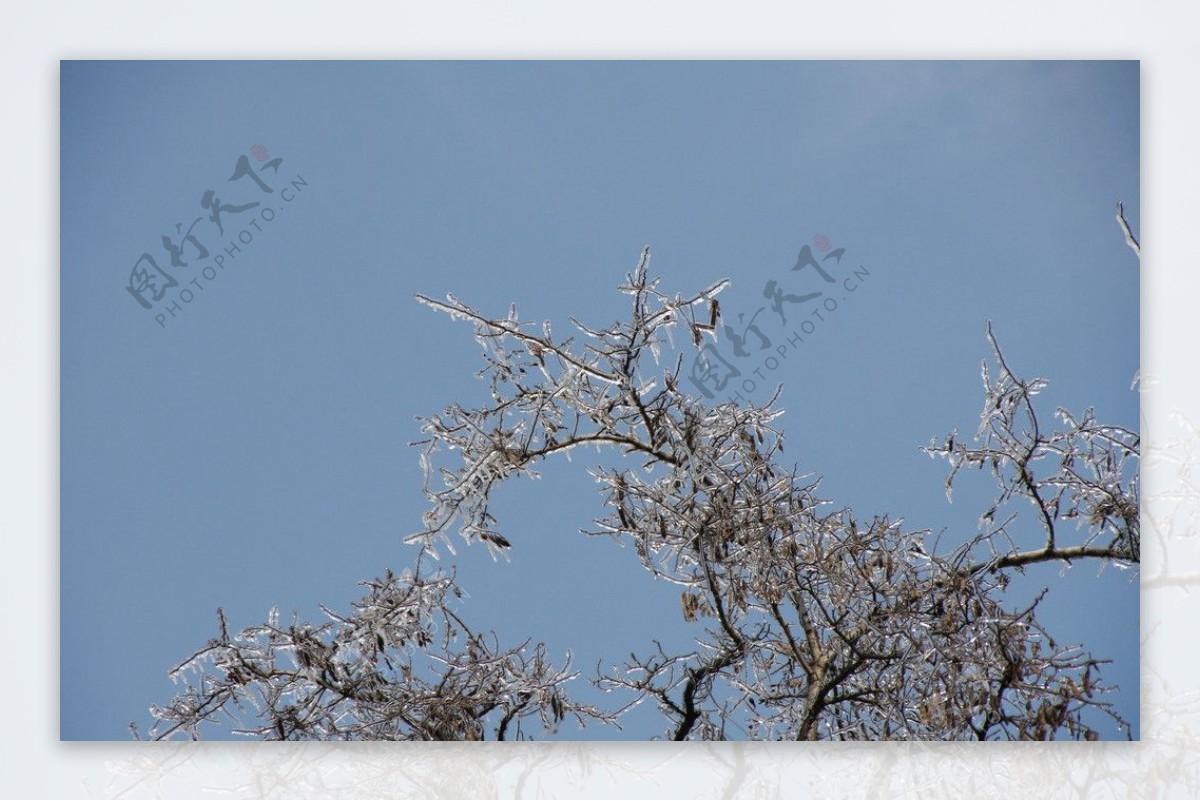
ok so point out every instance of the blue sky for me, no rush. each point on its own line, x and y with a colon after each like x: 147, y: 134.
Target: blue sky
x: 252, y: 449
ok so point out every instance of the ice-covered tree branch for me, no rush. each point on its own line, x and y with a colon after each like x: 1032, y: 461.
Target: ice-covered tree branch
x: 807, y: 620
x: 1081, y: 480
x: 804, y: 619
x: 402, y: 665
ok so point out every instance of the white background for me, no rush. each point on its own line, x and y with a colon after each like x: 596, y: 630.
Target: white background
x: 1161, y: 34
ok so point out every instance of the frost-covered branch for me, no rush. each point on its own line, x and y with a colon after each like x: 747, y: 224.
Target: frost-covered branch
x: 401, y: 666
x: 1130, y: 239
x: 808, y: 621
x: 1081, y: 479
x: 807, y: 626
x: 550, y: 396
